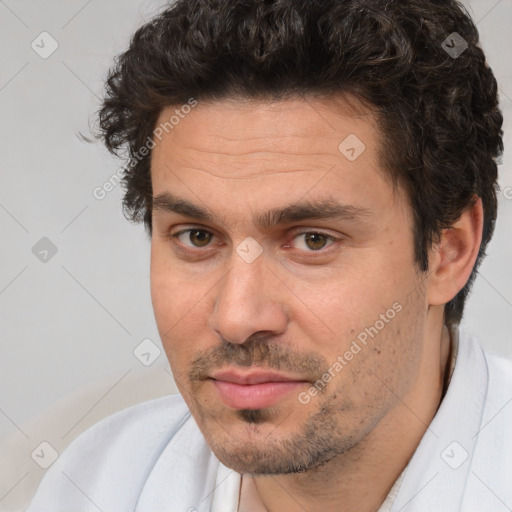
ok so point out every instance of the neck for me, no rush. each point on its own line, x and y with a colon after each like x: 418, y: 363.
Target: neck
x: 360, y: 479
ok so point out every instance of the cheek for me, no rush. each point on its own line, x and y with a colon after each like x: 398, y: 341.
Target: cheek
x: 374, y: 326
x: 172, y: 295
x: 344, y: 305
x: 180, y: 313
x: 390, y: 360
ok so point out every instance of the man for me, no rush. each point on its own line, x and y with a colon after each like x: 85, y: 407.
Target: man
x: 319, y: 182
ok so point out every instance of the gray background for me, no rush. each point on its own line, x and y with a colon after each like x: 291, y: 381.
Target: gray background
x: 73, y: 321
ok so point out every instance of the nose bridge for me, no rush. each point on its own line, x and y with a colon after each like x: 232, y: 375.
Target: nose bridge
x: 246, y: 301
x: 240, y: 283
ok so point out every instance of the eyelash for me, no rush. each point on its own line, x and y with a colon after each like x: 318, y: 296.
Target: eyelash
x: 175, y: 236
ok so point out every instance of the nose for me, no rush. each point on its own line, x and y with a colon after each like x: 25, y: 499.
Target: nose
x: 248, y: 301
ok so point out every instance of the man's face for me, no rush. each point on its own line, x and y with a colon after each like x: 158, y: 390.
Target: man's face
x: 301, y: 272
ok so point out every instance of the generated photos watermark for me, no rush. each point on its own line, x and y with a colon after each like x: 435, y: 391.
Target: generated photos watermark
x: 101, y: 192
x: 356, y: 346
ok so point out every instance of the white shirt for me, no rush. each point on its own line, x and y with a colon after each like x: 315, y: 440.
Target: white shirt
x: 152, y: 457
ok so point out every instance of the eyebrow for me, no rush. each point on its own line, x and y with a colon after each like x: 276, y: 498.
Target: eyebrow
x: 319, y: 209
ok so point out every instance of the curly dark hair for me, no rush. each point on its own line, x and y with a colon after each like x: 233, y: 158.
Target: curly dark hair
x: 438, y: 112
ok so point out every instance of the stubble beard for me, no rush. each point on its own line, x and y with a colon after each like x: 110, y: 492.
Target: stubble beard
x: 320, y: 439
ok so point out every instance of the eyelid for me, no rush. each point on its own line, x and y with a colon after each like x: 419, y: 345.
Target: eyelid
x: 308, y: 230
x: 188, y: 230
x: 304, y: 231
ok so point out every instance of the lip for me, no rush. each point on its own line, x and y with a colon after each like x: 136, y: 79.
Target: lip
x: 253, y: 377
x: 253, y: 390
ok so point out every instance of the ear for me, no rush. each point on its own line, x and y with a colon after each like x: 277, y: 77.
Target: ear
x: 453, y: 258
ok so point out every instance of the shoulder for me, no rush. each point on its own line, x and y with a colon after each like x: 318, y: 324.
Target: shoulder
x: 500, y: 368
x: 499, y: 391
x: 142, y: 428
x: 488, y: 484
x: 497, y: 370
x: 109, y: 463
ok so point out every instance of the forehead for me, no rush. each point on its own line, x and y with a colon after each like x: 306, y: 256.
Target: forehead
x: 263, y: 151
x: 301, y: 107
x: 255, y: 130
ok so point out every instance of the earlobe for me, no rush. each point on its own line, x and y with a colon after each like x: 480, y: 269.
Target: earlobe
x: 453, y: 258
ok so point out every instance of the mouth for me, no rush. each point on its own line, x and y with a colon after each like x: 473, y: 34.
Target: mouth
x: 255, y: 389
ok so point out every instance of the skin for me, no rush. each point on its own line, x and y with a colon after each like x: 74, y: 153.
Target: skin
x: 300, y: 304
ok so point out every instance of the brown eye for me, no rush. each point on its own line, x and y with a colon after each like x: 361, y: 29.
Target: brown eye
x: 315, y: 241
x: 194, y: 237
x: 199, y: 237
